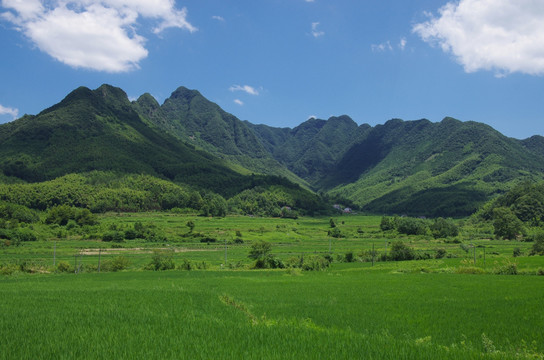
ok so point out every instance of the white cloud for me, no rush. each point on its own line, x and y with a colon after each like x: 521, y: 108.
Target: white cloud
x: 218, y: 18
x: 315, y: 32
x: 245, y: 88
x: 402, y: 43
x: 504, y: 36
x: 386, y: 46
x: 93, y: 34
x: 9, y: 111
x: 309, y: 0
x: 239, y: 102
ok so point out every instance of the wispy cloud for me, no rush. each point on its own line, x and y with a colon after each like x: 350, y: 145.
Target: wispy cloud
x: 245, y: 88
x: 387, y: 46
x: 93, y: 34
x: 315, y: 32
x: 218, y: 18
x: 402, y: 43
x: 239, y: 102
x: 503, y: 36
x: 9, y: 111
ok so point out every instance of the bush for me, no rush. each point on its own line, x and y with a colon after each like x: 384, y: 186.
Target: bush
x: 400, y: 252
x: 161, y: 260
x: 64, y: 267
x: 315, y: 263
x: 538, y: 246
x: 508, y: 268
x: 440, y: 253
x: 208, y: 240
x: 516, y: 252
x: 349, y: 257
x: 442, y: 228
x: 186, y: 265
x: 335, y: 233
x: 506, y: 223
x: 118, y: 263
x: 23, y: 235
x: 412, y: 226
x: 388, y: 223
x: 115, y: 236
x: 260, y: 250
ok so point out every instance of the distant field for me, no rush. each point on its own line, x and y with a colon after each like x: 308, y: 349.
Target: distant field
x: 289, y: 238
x: 453, y: 307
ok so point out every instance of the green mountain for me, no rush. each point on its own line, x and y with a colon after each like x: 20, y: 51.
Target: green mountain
x: 100, y: 130
x: 407, y: 167
x: 534, y: 144
x: 418, y: 167
x: 312, y: 149
x: 193, y: 119
x: 436, y: 169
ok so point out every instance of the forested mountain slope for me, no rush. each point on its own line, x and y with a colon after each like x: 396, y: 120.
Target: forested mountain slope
x: 100, y: 130
x: 413, y: 167
x: 312, y: 149
x: 192, y: 118
x: 417, y: 167
x: 423, y: 168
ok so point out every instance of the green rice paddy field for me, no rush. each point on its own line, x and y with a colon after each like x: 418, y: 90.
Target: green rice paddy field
x: 428, y: 309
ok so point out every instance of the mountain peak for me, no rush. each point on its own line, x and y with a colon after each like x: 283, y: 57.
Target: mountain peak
x: 184, y: 93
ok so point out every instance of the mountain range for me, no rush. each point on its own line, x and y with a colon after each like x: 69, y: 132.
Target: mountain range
x: 448, y: 168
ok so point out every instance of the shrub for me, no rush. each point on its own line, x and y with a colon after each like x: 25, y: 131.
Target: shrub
x: 118, y: 263
x: 335, y: 233
x: 23, y: 235
x: 440, y: 253
x: 442, y: 228
x: 185, y: 265
x: 506, y: 223
x: 400, y: 252
x: 260, y: 250
x: 208, y: 240
x: 388, y: 223
x: 516, y: 252
x: 315, y: 263
x: 161, y: 260
x: 115, y: 236
x: 508, y: 268
x: 64, y: 267
x: 349, y: 257
x: 538, y: 246
x: 412, y: 226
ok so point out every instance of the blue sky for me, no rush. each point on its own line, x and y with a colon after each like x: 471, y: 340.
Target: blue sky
x: 279, y: 62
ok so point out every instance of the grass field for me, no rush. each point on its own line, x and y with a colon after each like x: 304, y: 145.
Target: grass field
x: 342, y: 313
x: 448, y: 308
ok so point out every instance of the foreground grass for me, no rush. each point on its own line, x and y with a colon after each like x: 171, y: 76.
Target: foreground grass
x: 343, y: 313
